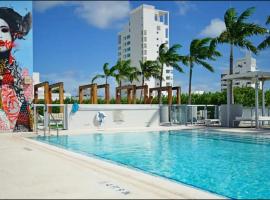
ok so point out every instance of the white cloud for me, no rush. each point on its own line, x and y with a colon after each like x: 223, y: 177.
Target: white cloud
x: 184, y: 7
x: 215, y: 28
x: 42, y: 6
x: 101, y: 14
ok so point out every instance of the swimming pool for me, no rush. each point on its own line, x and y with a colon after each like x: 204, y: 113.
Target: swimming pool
x: 232, y: 165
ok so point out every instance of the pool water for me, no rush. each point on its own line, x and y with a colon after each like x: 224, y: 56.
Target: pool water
x: 232, y: 165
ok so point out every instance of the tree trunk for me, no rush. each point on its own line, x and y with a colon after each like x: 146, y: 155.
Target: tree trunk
x: 189, y: 85
x: 160, y: 85
x: 120, y: 85
x: 231, y: 100
x: 141, y: 89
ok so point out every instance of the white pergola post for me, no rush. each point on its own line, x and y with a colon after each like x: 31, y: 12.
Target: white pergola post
x: 263, y: 99
x: 228, y: 102
x: 256, y: 102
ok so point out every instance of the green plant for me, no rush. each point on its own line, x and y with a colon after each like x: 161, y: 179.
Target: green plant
x: 266, y: 43
x: 237, y: 34
x: 200, y: 50
x: 169, y: 57
x: 106, y: 74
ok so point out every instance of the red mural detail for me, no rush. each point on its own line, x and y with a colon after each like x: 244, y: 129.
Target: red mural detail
x: 27, y: 88
x: 7, y: 78
x: 11, y: 105
x: 7, y: 44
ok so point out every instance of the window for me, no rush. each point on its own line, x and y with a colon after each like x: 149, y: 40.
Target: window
x: 157, y: 39
x: 128, y: 36
x: 144, y: 39
x: 168, y: 71
x: 128, y: 55
x: 144, y: 52
x: 168, y: 84
x: 168, y: 78
x: 144, y: 32
x: 128, y: 49
x: 119, y: 39
x: 144, y: 58
x: 144, y: 45
x: 161, y: 18
x: 166, y: 33
x: 166, y: 19
x: 156, y: 17
x: 128, y: 43
x: 158, y: 28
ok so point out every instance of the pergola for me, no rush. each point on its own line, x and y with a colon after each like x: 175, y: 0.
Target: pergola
x: 256, y: 77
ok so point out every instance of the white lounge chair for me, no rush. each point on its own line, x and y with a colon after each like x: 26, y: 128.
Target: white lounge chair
x: 244, y: 119
x: 209, y: 122
x: 263, y: 119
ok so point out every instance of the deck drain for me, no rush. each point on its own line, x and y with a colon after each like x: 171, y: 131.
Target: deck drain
x: 27, y: 149
x: 115, y: 187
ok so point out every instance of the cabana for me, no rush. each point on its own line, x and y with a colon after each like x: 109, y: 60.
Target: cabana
x: 256, y: 77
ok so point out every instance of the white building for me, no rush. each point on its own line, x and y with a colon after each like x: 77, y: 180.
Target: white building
x: 55, y: 96
x: 245, y: 64
x: 140, y: 39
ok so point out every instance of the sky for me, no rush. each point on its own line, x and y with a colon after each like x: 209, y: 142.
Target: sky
x: 23, y: 52
x: 72, y: 40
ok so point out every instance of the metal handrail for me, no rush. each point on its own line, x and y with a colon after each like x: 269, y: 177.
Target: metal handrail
x: 57, y: 131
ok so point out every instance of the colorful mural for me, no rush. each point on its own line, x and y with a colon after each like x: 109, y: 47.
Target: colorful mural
x: 16, y: 85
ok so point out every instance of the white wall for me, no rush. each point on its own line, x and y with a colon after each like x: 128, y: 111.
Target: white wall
x: 118, y: 116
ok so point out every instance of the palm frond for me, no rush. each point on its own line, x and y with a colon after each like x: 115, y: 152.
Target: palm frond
x: 97, y: 77
x: 264, y: 44
x: 206, y: 65
x: 244, y: 16
x: 268, y: 20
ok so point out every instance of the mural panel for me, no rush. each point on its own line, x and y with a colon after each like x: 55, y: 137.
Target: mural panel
x: 16, y: 84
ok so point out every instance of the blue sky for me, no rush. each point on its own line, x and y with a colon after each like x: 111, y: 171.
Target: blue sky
x: 23, y: 52
x: 73, y: 40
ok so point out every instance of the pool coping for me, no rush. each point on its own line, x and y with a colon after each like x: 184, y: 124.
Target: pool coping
x: 155, y: 183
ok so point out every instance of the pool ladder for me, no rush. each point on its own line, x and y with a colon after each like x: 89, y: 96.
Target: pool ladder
x: 49, y: 123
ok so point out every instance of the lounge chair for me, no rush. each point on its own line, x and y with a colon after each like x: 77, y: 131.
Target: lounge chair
x: 209, y: 122
x: 263, y: 119
x: 245, y: 119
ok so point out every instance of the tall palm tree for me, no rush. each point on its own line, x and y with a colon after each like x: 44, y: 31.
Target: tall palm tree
x: 149, y: 69
x: 200, y: 50
x: 236, y: 34
x: 121, y: 71
x: 133, y: 74
x: 170, y: 57
x: 266, y: 42
x: 106, y: 75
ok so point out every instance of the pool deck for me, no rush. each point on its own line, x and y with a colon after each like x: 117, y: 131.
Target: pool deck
x: 30, y: 169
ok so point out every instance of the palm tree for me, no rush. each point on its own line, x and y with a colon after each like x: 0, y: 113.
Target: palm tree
x: 170, y: 57
x: 199, y: 51
x: 121, y: 71
x: 149, y: 69
x: 106, y: 75
x: 133, y: 74
x: 266, y: 42
x: 236, y: 34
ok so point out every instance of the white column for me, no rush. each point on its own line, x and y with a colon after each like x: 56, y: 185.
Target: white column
x: 263, y: 99
x: 256, y: 102
x: 228, y: 103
